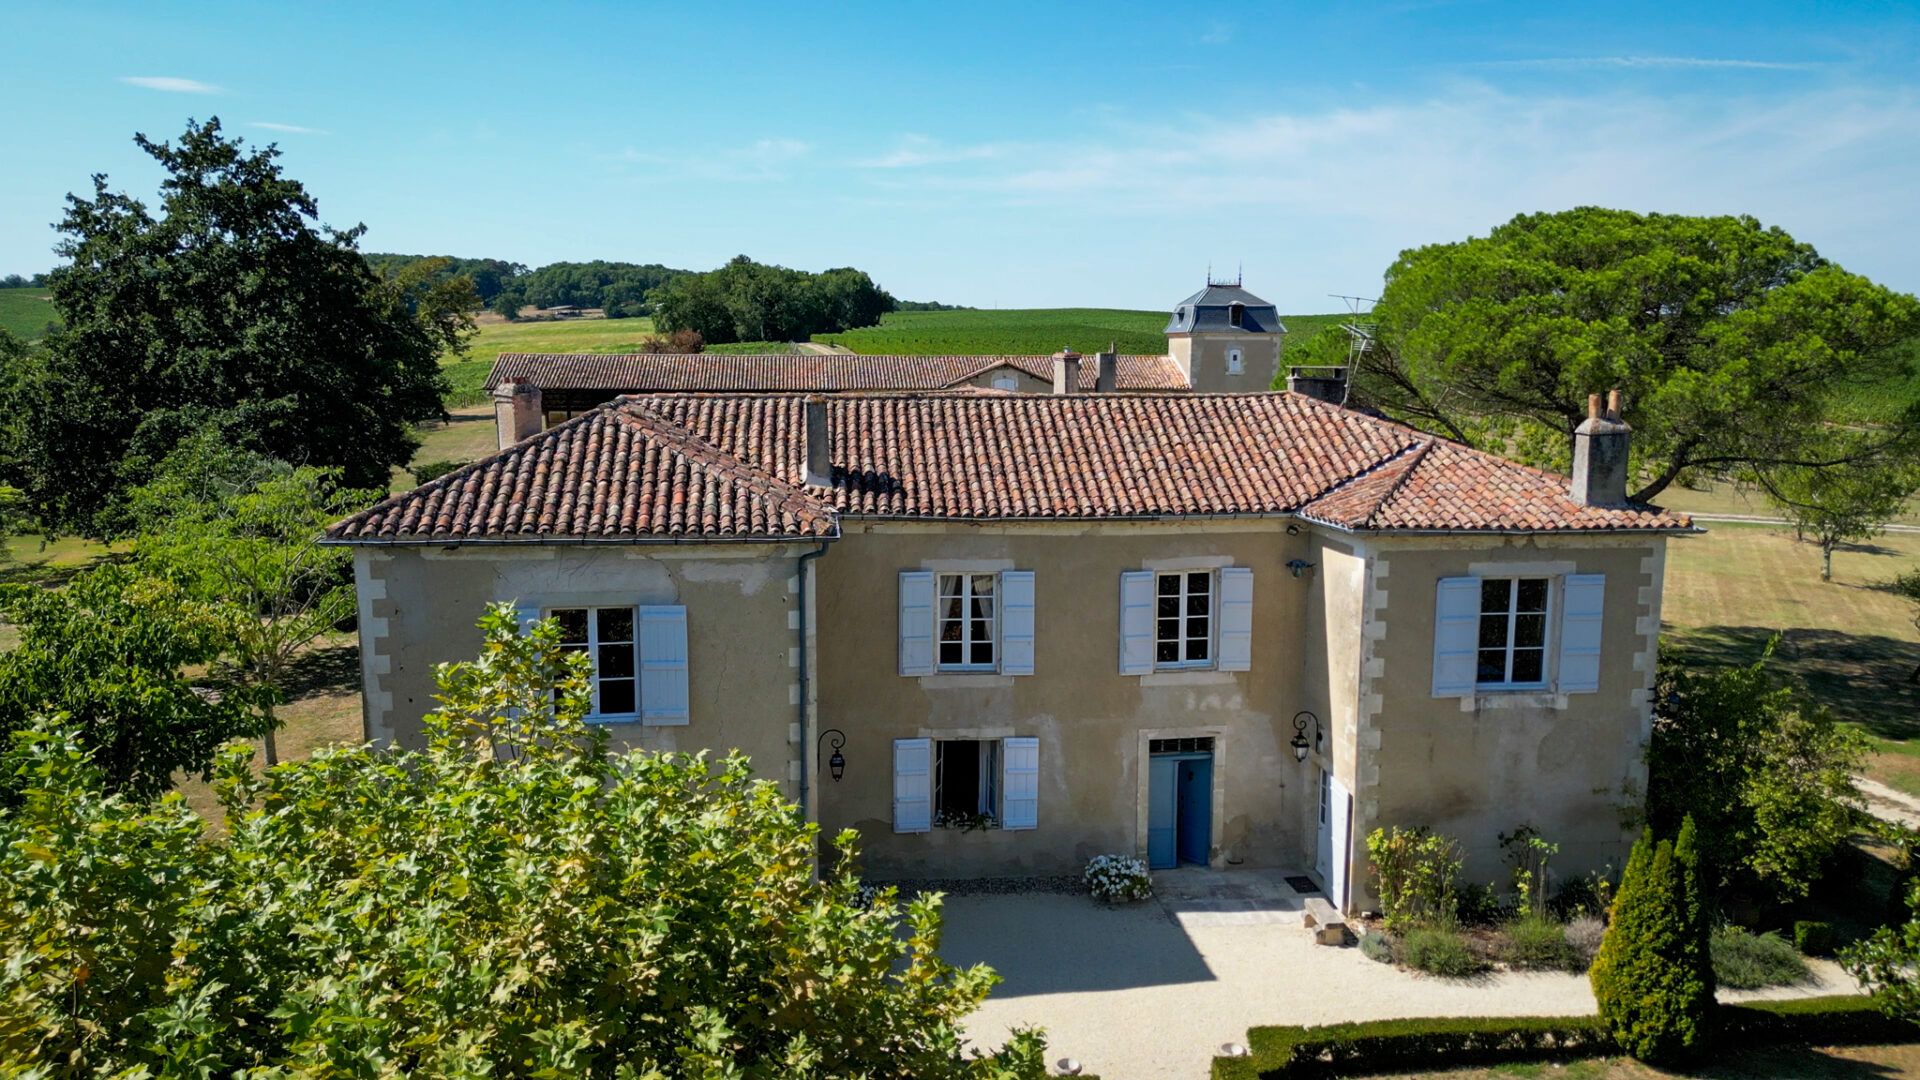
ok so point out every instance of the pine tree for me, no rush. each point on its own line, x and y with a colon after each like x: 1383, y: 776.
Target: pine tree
x: 1648, y: 977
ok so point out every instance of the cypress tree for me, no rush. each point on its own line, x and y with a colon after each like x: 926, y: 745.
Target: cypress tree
x: 1687, y: 851
x: 1647, y: 978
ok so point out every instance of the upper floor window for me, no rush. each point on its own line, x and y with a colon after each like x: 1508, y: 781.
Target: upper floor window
x: 1513, y: 632
x: 967, y: 617
x: 1235, y: 364
x: 605, y: 635
x: 1006, y: 381
x: 1183, y: 616
x: 1236, y: 314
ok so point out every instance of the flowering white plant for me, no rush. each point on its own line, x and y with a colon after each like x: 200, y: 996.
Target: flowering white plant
x: 1118, y: 877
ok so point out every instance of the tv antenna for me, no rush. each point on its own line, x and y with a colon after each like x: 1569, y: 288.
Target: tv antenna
x: 1360, y: 330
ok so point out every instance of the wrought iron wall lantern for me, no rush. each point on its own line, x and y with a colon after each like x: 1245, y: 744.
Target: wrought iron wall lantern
x: 837, y: 764
x: 1299, y: 741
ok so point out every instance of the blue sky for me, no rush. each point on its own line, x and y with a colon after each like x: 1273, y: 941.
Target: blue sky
x: 999, y: 155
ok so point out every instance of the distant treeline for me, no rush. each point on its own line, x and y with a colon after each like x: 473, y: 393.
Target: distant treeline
x: 742, y: 301
x: 19, y: 281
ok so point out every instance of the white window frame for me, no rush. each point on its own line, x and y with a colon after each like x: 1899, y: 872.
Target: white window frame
x: 1006, y: 380
x: 1213, y: 622
x: 1236, y: 363
x: 967, y: 641
x: 594, y: 715
x: 1546, y: 646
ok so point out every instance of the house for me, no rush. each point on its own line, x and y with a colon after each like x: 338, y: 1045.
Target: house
x: 999, y: 634
x: 1222, y: 338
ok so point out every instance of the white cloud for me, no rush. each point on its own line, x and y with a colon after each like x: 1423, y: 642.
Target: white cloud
x: 291, y: 129
x: 1218, y: 32
x: 762, y: 159
x: 918, y: 150
x: 1660, y: 62
x: 171, y: 84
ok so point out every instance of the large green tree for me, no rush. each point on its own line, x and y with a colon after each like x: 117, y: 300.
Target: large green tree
x: 232, y: 306
x: 1736, y: 346
x: 513, y: 900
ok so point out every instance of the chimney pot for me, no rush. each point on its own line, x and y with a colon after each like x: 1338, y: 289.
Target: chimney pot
x: 1066, y: 372
x: 517, y: 412
x: 1600, y: 446
x: 819, y: 460
x: 1107, y: 379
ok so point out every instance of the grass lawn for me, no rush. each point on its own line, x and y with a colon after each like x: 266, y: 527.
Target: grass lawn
x: 497, y: 335
x: 1850, y: 642
x: 1728, y: 499
x: 1768, y: 1062
x: 25, y: 312
x: 468, y: 435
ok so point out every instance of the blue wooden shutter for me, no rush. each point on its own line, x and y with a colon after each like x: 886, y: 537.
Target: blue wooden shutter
x: 912, y: 785
x: 528, y: 614
x: 1016, y: 622
x: 1456, y: 636
x: 663, y: 664
x: 1581, y: 602
x: 916, y: 622
x: 1236, y: 618
x: 1020, y: 795
x: 1136, y: 622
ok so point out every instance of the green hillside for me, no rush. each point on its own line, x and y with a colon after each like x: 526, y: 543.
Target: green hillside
x: 25, y: 312
x: 1028, y: 332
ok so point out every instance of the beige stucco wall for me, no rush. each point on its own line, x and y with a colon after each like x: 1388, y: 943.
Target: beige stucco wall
x: 1203, y: 357
x: 1093, y: 723
x: 419, y: 606
x: 1476, y: 766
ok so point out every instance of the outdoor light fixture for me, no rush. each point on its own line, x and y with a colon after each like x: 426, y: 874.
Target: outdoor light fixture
x: 1299, y: 740
x: 1299, y: 566
x: 1292, y: 529
x: 837, y: 764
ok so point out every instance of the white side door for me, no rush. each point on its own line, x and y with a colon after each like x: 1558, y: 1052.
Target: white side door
x: 1323, y: 848
x: 1341, y: 831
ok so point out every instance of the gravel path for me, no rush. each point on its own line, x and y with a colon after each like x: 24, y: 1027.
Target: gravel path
x: 1888, y: 804
x: 1153, y: 990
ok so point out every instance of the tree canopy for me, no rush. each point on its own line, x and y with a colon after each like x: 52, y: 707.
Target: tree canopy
x: 1736, y: 346
x: 749, y: 301
x: 512, y: 900
x: 232, y: 307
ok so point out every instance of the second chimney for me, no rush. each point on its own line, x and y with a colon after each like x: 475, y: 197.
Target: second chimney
x: 1600, y: 446
x: 1107, y: 379
x: 516, y: 412
x: 1066, y: 372
x: 819, y: 463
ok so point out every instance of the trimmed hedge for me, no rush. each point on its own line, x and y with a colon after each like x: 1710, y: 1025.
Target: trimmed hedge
x: 1280, y: 1053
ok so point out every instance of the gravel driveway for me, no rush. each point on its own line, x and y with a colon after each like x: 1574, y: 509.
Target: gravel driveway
x: 1152, y: 990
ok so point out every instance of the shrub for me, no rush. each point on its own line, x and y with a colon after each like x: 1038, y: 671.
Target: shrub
x: 514, y: 899
x: 1813, y: 937
x: 1527, y: 853
x: 1540, y: 944
x: 1744, y: 961
x: 1414, y: 873
x: 1114, y: 878
x: 1584, y: 935
x: 1653, y: 984
x: 434, y: 470
x: 1375, y: 945
x: 1479, y: 905
x: 1590, y: 894
x: 1439, y: 951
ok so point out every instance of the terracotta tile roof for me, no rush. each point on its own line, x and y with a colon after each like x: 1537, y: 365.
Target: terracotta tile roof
x: 611, y: 474
x: 630, y: 373
x: 724, y: 466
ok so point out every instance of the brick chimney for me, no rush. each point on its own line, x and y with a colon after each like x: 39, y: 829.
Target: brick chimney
x: 1108, y: 377
x: 1600, y: 454
x: 1066, y: 372
x: 819, y: 446
x: 516, y: 411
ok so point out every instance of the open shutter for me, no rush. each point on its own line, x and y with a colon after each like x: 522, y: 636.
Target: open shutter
x: 1236, y: 618
x: 663, y: 664
x: 1020, y: 798
x: 912, y: 785
x: 1016, y: 622
x: 1136, y: 622
x: 1580, y: 606
x: 528, y: 614
x: 916, y: 622
x: 1456, y: 636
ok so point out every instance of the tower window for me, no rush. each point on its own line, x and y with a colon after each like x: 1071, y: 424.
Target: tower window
x: 1236, y: 314
x: 1235, y: 365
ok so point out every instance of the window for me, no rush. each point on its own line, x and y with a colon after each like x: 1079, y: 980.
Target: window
x: 966, y: 775
x: 1513, y: 632
x: 1197, y: 744
x: 605, y: 635
x: 1183, y: 616
x: 1236, y: 314
x: 966, y: 622
x: 1006, y: 382
x: 1235, y: 365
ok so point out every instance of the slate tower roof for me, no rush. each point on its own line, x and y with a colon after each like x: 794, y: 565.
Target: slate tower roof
x: 1212, y: 309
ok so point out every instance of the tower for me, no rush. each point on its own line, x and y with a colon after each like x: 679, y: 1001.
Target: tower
x: 1226, y: 339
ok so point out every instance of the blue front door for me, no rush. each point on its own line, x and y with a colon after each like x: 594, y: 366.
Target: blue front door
x: 1162, y: 811
x: 1196, y: 809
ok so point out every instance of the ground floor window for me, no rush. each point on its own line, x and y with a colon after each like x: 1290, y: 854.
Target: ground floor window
x: 966, y: 783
